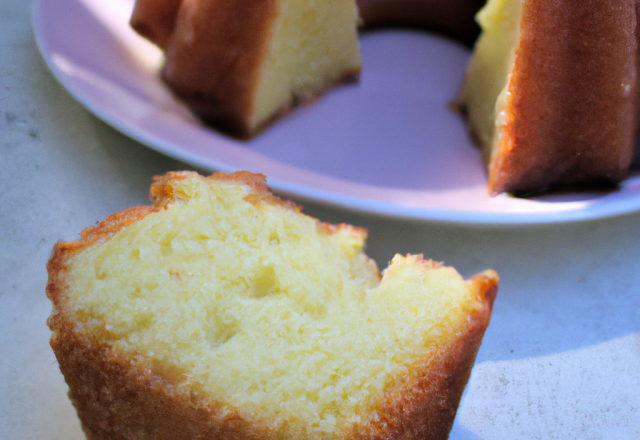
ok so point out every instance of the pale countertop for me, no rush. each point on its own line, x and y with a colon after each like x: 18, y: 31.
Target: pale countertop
x: 561, y: 358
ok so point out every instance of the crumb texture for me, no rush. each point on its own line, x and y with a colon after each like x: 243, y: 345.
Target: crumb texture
x: 241, y: 300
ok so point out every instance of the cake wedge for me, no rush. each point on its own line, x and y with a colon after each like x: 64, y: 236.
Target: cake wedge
x: 551, y: 94
x: 224, y: 312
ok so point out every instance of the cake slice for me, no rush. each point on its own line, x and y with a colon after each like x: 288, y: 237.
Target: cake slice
x: 551, y: 93
x: 239, y: 64
x: 223, y: 312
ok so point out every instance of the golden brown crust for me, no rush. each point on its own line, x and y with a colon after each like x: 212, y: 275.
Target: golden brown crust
x: 161, y: 194
x: 117, y: 397
x: 571, y: 114
x: 123, y: 399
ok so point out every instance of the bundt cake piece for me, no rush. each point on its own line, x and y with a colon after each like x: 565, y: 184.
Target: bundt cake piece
x: 239, y: 64
x: 223, y: 312
x: 551, y: 93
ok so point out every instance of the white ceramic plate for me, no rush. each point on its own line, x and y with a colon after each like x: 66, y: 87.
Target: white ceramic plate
x: 388, y: 146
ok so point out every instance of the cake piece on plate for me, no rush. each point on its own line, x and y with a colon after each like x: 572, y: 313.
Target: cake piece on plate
x: 240, y: 64
x: 551, y: 93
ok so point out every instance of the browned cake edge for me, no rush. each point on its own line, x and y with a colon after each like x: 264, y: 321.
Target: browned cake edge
x: 213, y: 55
x: 117, y: 397
x: 155, y: 19
x: 572, y: 108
